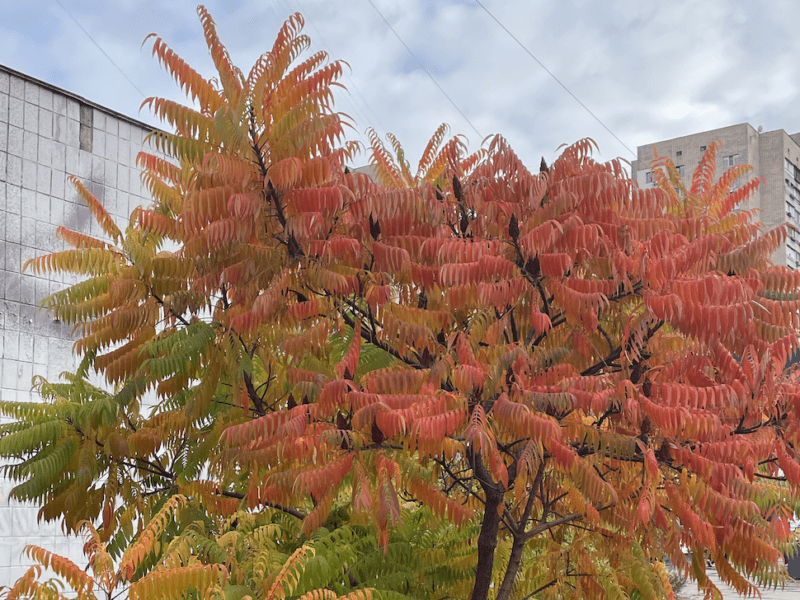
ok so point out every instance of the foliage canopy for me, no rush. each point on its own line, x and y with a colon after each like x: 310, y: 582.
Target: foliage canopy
x: 473, y: 380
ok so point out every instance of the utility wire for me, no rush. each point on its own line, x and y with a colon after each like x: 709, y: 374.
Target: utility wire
x: 521, y: 45
x: 100, y: 48
x: 426, y: 70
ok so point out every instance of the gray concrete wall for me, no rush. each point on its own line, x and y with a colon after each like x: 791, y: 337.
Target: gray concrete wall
x: 773, y: 145
x: 740, y: 139
x: 40, y: 145
x: 765, y: 152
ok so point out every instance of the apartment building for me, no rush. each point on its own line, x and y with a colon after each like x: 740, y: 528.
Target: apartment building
x: 47, y: 134
x: 774, y: 156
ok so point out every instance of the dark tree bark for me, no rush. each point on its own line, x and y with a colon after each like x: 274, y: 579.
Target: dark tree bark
x: 513, y: 567
x: 520, y: 538
x: 487, y: 542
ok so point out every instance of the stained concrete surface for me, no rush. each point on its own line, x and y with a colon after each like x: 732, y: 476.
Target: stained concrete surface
x: 790, y: 592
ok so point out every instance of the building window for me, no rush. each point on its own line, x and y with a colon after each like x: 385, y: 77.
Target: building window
x: 679, y: 153
x: 792, y: 171
x: 730, y: 160
x: 86, y: 128
x: 702, y: 148
x: 681, y: 170
x: 648, y: 177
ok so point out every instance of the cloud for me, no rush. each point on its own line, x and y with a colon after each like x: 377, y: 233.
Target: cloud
x: 648, y: 71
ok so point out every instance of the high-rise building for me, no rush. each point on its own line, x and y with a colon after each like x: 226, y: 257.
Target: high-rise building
x: 47, y: 134
x: 774, y: 156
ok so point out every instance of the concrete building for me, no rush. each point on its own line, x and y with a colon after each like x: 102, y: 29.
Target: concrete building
x: 774, y: 156
x: 47, y: 134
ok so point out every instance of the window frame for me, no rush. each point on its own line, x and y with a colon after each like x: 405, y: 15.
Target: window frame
x: 730, y: 160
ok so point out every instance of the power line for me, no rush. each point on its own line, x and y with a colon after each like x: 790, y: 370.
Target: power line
x: 100, y: 48
x: 426, y: 70
x: 521, y: 45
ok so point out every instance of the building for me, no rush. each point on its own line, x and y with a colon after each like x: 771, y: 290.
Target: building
x: 774, y: 156
x: 47, y: 134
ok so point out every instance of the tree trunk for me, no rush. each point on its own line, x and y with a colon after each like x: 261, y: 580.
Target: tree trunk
x: 487, y: 542
x: 513, y: 566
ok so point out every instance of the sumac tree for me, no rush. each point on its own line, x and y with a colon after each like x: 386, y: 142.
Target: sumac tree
x: 574, y: 377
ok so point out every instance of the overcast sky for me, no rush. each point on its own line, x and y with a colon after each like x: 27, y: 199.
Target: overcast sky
x: 648, y: 70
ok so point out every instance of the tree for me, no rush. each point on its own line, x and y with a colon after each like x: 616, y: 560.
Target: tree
x: 565, y: 377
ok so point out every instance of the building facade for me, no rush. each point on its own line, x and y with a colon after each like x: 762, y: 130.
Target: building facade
x: 774, y: 156
x: 47, y: 134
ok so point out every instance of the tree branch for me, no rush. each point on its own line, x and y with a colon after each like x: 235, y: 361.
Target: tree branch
x: 372, y: 338
x: 287, y: 509
x: 515, y: 558
x: 253, y: 395
x: 604, y: 362
x: 459, y: 480
x: 172, y: 312
x: 542, y: 527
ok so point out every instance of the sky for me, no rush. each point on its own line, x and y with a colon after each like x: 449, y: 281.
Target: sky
x: 647, y: 71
